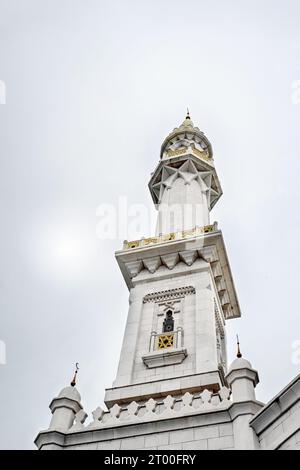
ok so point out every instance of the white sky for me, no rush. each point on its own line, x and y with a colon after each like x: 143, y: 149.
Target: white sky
x: 93, y: 87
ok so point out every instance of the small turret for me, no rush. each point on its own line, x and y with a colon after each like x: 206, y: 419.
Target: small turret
x: 64, y: 407
x: 242, y: 378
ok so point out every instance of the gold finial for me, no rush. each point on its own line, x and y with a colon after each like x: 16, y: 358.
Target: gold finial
x: 187, y: 114
x: 239, y: 354
x: 73, y: 383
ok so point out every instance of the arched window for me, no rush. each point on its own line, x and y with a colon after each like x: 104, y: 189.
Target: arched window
x: 168, y: 324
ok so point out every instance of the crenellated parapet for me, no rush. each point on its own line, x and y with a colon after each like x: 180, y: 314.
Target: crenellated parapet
x: 156, y: 410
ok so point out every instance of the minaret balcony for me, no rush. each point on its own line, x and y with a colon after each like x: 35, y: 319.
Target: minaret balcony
x: 165, y: 349
x: 164, y: 238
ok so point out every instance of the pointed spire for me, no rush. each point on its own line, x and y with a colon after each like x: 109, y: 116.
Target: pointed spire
x: 73, y: 383
x: 187, y: 121
x: 239, y: 354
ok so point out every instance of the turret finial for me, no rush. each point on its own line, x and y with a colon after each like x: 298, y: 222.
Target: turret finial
x: 239, y: 354
x: 73, y: 383
x: 187, y: 114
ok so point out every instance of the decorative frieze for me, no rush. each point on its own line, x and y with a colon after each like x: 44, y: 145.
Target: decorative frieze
x: 170, y: 260
x: 191, y: 148
x: 152, y: 264
x: 170, y: 294
x: 134, y: 267
x: 188, y: 256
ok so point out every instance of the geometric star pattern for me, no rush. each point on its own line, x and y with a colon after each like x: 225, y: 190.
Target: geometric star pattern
x: 188, y: 172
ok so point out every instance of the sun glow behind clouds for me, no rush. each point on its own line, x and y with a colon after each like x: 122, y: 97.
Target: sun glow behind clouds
x: 63, y: 251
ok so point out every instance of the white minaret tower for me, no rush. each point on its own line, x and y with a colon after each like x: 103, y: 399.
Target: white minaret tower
x: 181, y: 289
x: 172, y: 389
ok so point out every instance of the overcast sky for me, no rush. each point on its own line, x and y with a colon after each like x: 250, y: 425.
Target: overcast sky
x: 92, y: 89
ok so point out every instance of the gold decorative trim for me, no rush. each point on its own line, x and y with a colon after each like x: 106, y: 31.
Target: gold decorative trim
x: 204, y: 154
x: 128, y: 245
x: 182, y: 150
x: 133, y: 244
x: 150, y: 241
x: 174, y: 153
x: 165, y: 341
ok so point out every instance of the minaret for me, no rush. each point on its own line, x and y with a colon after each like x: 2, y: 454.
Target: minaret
x: 173, y: 389
x: 180, y: 283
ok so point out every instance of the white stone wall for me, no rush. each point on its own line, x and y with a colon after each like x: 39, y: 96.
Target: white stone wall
x: 284, y: 431
x: 185, y: 319
x: 183, y: 206
x: 196, y: 317
x: 292, y: 443
x: 213, y: 437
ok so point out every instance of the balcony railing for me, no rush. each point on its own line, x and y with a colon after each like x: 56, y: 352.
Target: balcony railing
x: 167, y: 340
x: 170, y: 237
